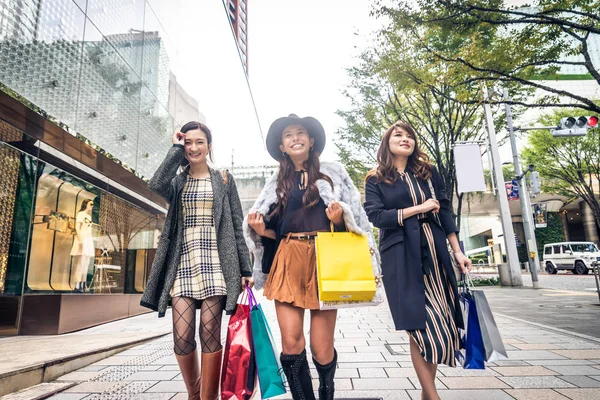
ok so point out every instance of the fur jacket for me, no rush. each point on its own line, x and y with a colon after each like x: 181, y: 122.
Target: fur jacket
x: 344, y: 192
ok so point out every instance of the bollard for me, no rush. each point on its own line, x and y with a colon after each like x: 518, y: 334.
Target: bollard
x: 596, y: 271
x: 504, y: 272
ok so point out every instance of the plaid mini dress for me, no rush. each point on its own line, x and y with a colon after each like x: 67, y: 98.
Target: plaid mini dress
x: 199, y: 275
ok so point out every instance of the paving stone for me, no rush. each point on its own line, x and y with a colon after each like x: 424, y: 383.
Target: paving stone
x: 459, y: 371
x: 382, y: 383
x: 115, y: 360
x: 401, y: 372
x: 578, y: 354
x: 511, y: 363
x: 68, y: 396
x: 582, y: 381
x: 92, y: 368
x: 372, y: 373
x: 372, y: 364
x: 481, y: 382
x: 559, y: 362
x: 96, y: 387
x: 536, y: 355
x: 169, y: 368
x: 525, y: 371
x: 537, y: 346
x: 438, y: 384
x: 152, y: 376
x: 574, y: 370
x: 79, y: 376
x: 346, y: 373
x: 372, y: 394
x: 535, y: 394
x: 168, y: 387
x: 340, y: 384
x: 532, y: 382
x: 360, y: 358
x: 580, y: 394
x: 492, y: 394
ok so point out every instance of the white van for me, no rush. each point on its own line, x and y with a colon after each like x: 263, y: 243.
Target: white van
x: 576, y: 256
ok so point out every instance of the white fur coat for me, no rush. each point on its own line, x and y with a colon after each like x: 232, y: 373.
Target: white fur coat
x: 344, y: 192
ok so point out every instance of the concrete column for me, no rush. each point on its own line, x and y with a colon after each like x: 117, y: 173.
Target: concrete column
x: 589, y: 223
x: 565, y: 225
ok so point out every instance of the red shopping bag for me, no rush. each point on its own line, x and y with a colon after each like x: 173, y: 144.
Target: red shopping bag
x: 239, y: 368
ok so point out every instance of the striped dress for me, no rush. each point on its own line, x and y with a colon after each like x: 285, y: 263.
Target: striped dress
x: 439, y: 340
x: 199, y: 275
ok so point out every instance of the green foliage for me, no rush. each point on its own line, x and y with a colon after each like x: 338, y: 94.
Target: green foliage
x: 553, y: 233
x: 486, y: 281
x: 493, y: 42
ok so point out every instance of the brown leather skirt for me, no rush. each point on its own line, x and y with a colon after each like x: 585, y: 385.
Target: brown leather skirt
x: 293, y: 276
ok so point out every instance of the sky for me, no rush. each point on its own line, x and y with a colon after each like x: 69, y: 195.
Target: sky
x: 298, y: 52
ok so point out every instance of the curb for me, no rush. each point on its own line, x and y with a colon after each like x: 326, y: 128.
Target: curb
x: 48, y: 371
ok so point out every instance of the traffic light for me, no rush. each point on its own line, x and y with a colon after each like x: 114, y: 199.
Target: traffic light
x: 534, y: 181
x: 571, y: 126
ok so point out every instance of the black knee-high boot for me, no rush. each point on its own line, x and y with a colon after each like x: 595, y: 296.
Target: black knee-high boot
x: 326, y: 375
x: 295, y: 367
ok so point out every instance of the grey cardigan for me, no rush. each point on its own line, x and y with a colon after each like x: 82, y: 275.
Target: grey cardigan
x: 228, y: 217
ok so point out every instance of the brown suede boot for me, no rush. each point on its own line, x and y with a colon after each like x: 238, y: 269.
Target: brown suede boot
x: 190, y: 371
x: 211, y: 375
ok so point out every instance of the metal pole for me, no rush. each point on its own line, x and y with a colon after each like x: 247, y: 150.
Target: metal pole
x: 526, y: 212
x: 509, y: 233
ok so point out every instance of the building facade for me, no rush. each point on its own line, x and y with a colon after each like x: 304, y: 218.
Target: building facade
x: 238, y: 15
x: 89, y: 99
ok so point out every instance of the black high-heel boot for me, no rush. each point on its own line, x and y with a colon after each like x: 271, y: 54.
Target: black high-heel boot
x: 326, y: 375
x: 295, y: 367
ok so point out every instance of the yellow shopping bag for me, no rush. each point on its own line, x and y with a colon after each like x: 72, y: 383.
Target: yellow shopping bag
x: 344, y: 268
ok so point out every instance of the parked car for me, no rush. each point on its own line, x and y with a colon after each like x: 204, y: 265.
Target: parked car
x: 575, y: 256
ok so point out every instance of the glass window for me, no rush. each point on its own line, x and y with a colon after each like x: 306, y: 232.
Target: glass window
x: 565, y: 249
x: 85, y: 239
x: 556, y: 249
x: 584, y: 248
x: 548, y: 250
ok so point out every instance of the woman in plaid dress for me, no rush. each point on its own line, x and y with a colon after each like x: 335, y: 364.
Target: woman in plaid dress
x: 201, y: 281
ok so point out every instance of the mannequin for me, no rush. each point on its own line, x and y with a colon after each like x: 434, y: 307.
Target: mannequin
x: 83, y: 245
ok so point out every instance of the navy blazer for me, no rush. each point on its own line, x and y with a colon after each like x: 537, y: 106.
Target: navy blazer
x: 400, y: 247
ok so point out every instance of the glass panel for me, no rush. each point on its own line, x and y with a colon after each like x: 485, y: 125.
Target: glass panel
x: 16, y: 195
x: 109, y: 99
x: 40, y: 54
x: 121, y: 23
x: 86, y: 238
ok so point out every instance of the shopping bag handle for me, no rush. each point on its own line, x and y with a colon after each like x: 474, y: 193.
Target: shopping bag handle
x: 467, y: 281
x: 251, y: 299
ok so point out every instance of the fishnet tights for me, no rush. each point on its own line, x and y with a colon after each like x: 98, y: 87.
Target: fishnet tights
x: 184, y: 324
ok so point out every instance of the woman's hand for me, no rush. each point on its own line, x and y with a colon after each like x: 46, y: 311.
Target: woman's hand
x: 257, y: 223
x: 463, y: 262
x: 430, y: 205
x: 335, y: 213
x: 179, y: 138
x: 247, y: 281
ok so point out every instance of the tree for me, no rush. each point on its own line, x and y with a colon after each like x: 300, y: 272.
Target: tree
x: 397, y: 80
x: 507, y: 45
x: 568, y: 166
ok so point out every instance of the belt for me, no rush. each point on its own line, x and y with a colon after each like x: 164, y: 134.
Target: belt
x: 301, y: 236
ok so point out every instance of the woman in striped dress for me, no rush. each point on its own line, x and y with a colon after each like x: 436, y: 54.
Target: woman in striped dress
x: 419, y: 280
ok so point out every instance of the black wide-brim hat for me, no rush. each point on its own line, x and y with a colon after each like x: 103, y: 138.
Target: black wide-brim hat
x: 314, y: 128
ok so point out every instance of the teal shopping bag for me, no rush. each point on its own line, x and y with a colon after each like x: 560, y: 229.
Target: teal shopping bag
x: 265, y: 352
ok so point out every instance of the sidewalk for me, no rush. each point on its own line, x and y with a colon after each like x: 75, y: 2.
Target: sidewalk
x: 374, y: 363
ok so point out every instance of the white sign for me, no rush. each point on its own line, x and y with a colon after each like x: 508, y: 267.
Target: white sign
x: 469, y: 168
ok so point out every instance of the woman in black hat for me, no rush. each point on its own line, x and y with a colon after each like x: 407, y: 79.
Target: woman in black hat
x: 304, y: 197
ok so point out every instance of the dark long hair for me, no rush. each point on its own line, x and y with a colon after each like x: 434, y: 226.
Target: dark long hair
x: 418, y: 161
x: 193, y: 125
x: 286, y: 182
x: 84, y: 204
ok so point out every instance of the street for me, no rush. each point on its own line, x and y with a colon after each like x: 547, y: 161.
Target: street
x: 564, y: 281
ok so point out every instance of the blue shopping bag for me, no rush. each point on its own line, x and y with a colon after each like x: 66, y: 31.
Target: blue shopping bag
x: 472, y: 352
x: 265, y: 352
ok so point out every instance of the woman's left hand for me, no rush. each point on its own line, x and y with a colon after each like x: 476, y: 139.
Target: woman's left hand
x: 247, y: 281
x: 335, y: 213
x: 463, y: 262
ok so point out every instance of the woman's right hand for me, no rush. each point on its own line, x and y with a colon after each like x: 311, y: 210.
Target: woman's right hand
x: 430, y: 205
x: 179, y: 138
x: 257, y: 223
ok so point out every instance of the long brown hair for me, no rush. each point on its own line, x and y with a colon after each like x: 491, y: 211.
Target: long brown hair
x: 418, y: 162
x: 286, y: 182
